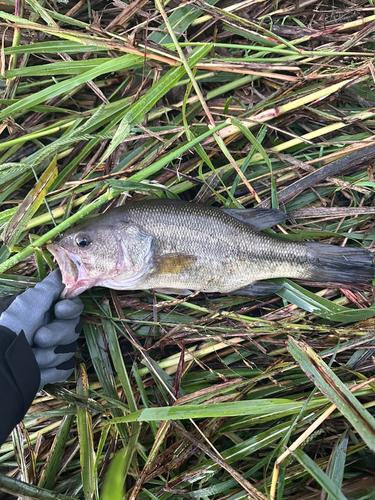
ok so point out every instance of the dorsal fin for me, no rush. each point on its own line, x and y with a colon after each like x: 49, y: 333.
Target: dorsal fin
x: 261, y: 218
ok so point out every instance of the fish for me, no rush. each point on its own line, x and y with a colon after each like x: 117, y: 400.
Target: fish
x: 178, y: 247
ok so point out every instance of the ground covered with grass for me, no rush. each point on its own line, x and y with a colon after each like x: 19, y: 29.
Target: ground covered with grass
x: 236, y: 104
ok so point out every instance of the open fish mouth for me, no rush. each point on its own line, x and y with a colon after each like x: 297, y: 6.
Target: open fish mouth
x: 75, y: 276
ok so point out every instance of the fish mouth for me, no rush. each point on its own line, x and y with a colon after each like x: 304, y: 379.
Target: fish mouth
x: 75, y: 276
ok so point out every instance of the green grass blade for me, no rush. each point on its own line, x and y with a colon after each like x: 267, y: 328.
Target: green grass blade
x: 159, y: 164
x: 48, y: 475
x: 258, y: 146
x: 23, y: 105
x: 180, y: 20
x: 145, y: 103
x: 320, y: 306
x: 20, y: 489
x: 325, y: 482
x: 86, y: 440
x: 332, y: 387
x: 29, y: 206
x: 273, y: 408
x: 113, y: 487
x: 117, y: 358
x: 110, y: 333
x: 63, y: 68
x: 53, y: 48
x: 337, y: 463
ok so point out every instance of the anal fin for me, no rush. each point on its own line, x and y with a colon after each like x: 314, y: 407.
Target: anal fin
x: 173, y: 291
x: 257, y: 288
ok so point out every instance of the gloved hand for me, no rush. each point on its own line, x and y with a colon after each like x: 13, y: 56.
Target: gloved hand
x: 52, y: 331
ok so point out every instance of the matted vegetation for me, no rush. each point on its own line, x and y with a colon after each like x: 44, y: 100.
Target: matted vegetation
x: 233, y: 104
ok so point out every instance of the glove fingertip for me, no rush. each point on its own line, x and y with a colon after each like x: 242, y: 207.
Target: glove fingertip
x: 68, y: 309
x: 44, y: 338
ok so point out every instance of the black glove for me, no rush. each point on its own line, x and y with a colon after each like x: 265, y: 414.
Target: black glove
x: 52, y: 332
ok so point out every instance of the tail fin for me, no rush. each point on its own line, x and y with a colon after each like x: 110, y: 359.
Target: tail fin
x: 341, y: 264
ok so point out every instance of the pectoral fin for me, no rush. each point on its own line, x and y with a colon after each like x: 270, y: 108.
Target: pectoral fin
x: 258, y: 288
x: 174, y: 263
x: 261, y: 218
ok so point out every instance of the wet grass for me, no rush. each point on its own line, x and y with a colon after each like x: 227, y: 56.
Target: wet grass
x: 237, y: 105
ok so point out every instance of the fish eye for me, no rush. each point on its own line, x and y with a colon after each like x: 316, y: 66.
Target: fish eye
x: 83, y: 240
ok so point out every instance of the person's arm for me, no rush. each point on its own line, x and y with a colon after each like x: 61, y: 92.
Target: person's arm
x: 37, y: 344
x: 19, y: 379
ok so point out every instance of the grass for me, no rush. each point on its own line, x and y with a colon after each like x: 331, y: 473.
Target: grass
x: 238, y: 105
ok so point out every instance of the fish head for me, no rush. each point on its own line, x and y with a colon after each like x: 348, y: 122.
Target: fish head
x: 94, y: 253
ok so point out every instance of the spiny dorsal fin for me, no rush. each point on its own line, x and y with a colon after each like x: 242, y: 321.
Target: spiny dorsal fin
x: 261, y: 218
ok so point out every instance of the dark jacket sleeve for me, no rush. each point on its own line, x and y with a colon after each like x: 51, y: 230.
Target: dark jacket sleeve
x: 19, y: 379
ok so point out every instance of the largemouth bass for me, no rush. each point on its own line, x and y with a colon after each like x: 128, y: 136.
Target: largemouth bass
x: 179, y: 247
